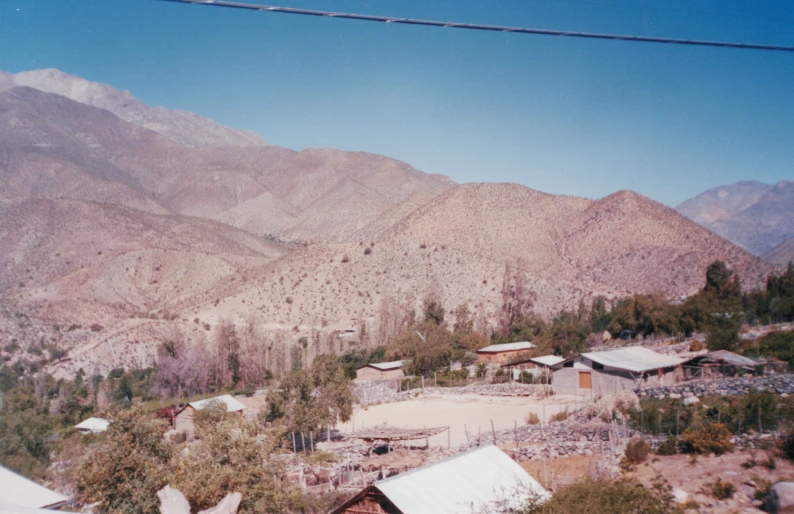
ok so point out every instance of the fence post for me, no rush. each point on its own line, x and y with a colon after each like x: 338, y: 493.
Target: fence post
x: 676, y: 423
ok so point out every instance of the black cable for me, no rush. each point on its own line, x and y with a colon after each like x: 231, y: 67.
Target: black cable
x: 474, y: 26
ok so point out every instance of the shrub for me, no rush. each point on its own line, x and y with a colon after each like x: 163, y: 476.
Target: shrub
x: 787, y: 446
x: 722, y: 490
x: 668, y: 447
x: 367, y: 250
x: 560, y: 416
x: 533, y: 419
x: 637, y: 450
x: 696, y: 346
x: 345, y: 258
x: 709, y: 438
x: 622, y: 496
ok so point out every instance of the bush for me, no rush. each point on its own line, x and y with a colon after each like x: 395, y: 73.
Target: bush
x: 560, y: 416
x: 637, y: 450
x: 367, y: 251
x: 709, y: 438
x: 722, y: 490
x: 787, y: 446
x: 533, y: 419
x: 345, y: 258
x: 622, y: 496
x: 668, y: 447
x: 696, y: 346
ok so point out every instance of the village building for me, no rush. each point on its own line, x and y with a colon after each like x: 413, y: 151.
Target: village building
x: 19, y: 495
x: 380, y: 371
x: 720, y: 363
x: 537, y: 366
x: 483, y: 479
x: 615, y: 371
x: 184, y: 420
x: 92, y: 425
x: 504, y: 353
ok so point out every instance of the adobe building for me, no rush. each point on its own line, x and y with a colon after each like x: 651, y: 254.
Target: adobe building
x: 615, y: 371
x: 504, y: 353
x: 380, y: 371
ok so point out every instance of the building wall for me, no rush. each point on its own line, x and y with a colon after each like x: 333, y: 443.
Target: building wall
x: 371, y: 374
x: 184, y: 421
x: 501, y: 357
x: 609, y: 381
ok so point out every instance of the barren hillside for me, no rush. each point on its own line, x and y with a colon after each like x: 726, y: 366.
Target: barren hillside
x: 52, y: 146
x: 782, y: 254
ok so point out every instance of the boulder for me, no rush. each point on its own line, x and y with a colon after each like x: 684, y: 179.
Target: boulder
x: 691, y: 400
x: 680, y: 496
x: 780, y: 498
x: 172, y: 501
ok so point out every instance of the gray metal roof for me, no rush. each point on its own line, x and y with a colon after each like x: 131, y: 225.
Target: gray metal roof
x: 633, y: 358
x: 18, y: 491
x: 386, y: 366
x: 232, y: 404
x: 507, y: 347
x: 547, y: 360
x: 473, y: 481
x: 734, y: 359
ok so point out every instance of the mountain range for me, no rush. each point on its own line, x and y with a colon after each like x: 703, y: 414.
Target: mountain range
x: 124, y: 225
x: 756, y: 216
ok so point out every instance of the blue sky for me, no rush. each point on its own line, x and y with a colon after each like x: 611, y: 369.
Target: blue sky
x: 557, y: 114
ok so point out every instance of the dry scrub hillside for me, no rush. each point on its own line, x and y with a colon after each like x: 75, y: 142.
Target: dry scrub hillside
x: 52, y: 146
x: 66, y: 263
x: 782, y: 255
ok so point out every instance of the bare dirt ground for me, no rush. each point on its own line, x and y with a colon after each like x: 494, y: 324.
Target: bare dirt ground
x: 462, y: 413
x: 695, y: 478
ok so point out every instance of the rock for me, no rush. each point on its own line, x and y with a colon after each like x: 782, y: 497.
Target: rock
x: 691, y: 400
x: 680, y: 496
x: 674, y: 396
x: 780, y: 498
x: 172, y: 501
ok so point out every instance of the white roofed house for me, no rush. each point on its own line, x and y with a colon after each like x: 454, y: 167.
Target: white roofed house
x: 483, y: 479
x: 380, y: 371
x: 614, y: 371
x: 503, y: 353
x: 184, y: 420
x: 93, y: 425
x: 535, y: 365
x: 19, y: 495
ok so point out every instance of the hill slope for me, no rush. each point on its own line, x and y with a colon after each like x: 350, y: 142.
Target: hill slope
x: 51, y: 146
x: 755, y: 216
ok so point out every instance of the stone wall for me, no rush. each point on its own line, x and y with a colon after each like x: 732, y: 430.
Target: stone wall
x: 734, y: 386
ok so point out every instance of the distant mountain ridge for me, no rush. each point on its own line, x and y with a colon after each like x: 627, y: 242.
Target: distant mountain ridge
x: 185, y: 128
x: 756, y: 216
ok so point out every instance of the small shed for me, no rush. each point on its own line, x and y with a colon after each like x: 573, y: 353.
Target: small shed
x: 19, y: 494
x: 380, y: 371
x: 184, y: 420
x: 535, y: 365
x: 720, y: 363
x: 483, y: 479
x: 614, y: 371
x: 504, y: 353
x: 93, y: 425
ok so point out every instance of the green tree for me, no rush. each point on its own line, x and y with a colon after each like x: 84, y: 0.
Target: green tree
x: 125, y: 468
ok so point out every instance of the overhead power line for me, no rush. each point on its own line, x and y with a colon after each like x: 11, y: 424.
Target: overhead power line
x: 475, y: 26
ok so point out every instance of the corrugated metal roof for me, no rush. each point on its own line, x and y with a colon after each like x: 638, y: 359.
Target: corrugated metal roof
x: 508, y: 347
x: 18, y: 491
x: 473, y: 481
x: 633, y: 358
x: 386, y: 366
x: 734, y: 359
x: 547, y: 360
x: 232, y: 404
x: 7, y: 508
x: 94, y: 425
